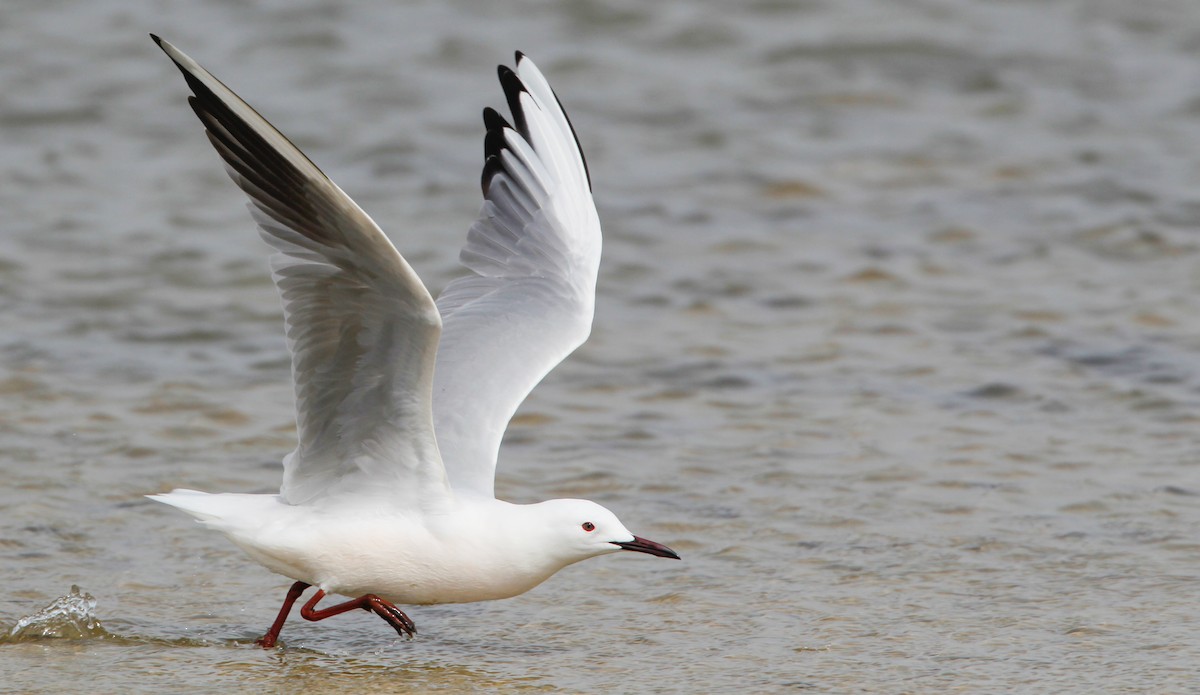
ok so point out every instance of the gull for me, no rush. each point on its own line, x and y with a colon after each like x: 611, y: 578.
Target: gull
x: 401, y: 402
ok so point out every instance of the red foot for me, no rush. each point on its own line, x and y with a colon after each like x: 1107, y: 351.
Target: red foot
x: 401, y: 623
x: 267, y: 641
x: 395, y: 617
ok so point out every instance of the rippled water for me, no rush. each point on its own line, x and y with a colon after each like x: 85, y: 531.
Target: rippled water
x: 896, y: 339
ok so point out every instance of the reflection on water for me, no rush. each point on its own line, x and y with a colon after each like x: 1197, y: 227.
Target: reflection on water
x: 895, y: 339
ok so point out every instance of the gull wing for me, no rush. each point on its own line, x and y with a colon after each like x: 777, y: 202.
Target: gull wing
x: 528, y: 302
x: 362, y: 329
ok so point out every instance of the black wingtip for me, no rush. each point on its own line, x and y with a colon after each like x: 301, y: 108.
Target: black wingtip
x: 518, y: 57
x: 492, y: 120
x: 513, y: 87
x: 495, y: 140
x: 493, y: 143
x: 159, y: 42
x: 491, y: 166
x: 509, y: 81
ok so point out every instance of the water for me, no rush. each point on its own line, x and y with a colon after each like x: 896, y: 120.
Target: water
x: 896, y: 340
x: 67, y: 617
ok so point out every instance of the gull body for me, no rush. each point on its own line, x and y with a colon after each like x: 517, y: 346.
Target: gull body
x: 401, y: 402
x: 477, y: 550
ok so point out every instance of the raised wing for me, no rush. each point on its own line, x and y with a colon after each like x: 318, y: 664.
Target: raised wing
x: 528, y: 303
x: 362, y: 329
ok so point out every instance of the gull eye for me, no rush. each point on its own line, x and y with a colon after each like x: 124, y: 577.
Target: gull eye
x: 589, y: 526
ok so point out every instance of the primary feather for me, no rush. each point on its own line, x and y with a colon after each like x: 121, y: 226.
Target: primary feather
x: 533, y: 254
x: 361, y: 327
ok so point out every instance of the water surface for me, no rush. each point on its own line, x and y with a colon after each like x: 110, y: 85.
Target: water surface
x: 896, y: 340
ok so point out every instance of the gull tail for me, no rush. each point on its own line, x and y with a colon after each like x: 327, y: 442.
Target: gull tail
x: 230, y: 513
x: 198, y: 504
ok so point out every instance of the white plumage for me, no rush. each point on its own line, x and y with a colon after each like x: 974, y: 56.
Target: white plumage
x: 388, y: 495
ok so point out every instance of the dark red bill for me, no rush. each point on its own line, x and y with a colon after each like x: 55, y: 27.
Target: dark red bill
x: 642, y: 545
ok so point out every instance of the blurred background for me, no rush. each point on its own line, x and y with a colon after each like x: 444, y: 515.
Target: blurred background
x: 897, y: 339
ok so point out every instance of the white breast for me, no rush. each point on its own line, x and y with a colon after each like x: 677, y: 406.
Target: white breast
x: 477, y: 552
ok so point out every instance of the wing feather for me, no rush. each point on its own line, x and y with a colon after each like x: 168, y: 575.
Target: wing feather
x: 361, y: 327
x: 528, y: 301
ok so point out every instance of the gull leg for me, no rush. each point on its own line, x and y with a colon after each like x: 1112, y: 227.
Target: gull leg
x: 267, y: 641
x: 401, y: 623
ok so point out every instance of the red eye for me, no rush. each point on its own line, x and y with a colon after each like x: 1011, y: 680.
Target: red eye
x: 589, y: 526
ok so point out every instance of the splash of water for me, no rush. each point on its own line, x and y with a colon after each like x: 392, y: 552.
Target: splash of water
x: 67, y: 617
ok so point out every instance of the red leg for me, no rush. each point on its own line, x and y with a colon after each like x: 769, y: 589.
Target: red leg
x: 267, y: 641
x: 368, y: 602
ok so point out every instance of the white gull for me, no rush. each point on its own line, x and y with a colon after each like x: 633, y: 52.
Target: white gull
x: 388, y: 496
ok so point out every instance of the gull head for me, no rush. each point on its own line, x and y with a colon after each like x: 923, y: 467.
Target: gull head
x: 579, y: 529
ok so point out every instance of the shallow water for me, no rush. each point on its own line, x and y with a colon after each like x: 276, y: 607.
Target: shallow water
x: 896, y: 340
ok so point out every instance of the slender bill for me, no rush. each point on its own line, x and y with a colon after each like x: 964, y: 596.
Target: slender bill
x: 642, y: 545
